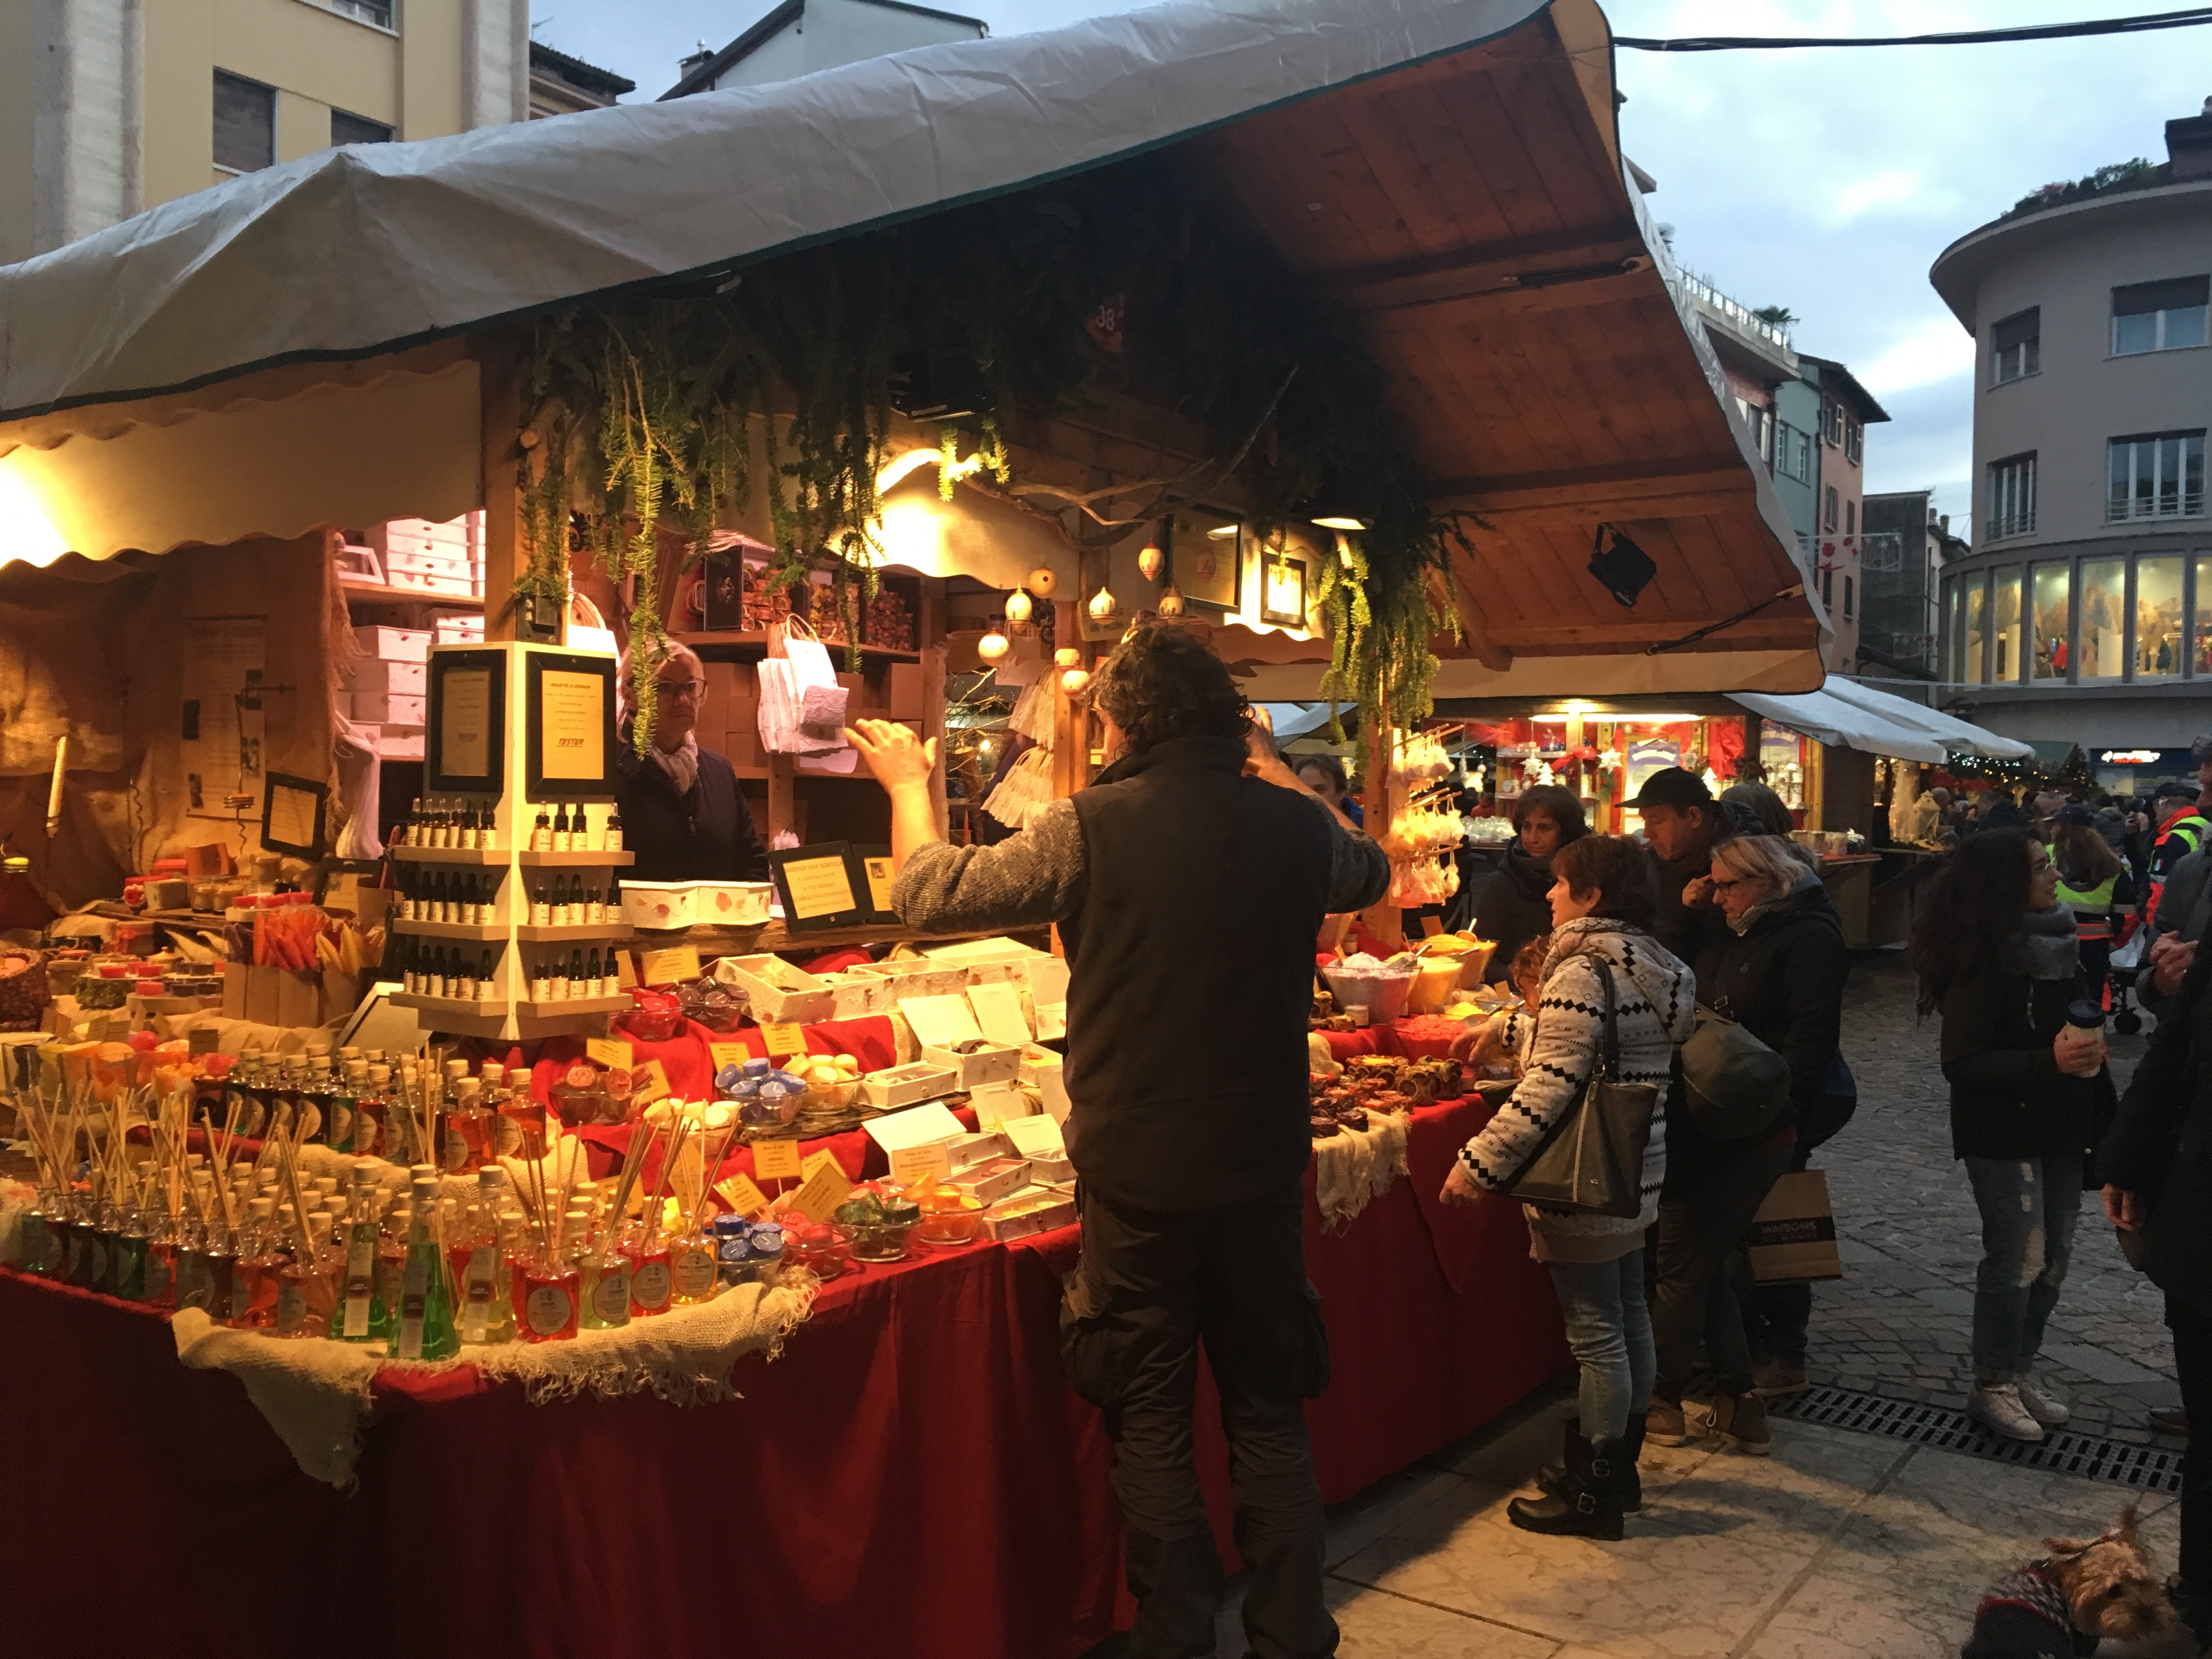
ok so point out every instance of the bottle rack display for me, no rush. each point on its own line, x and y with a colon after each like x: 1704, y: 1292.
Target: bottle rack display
x: 508, y: 919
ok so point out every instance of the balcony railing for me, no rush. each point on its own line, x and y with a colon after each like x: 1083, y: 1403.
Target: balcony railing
x: 1739, y: 315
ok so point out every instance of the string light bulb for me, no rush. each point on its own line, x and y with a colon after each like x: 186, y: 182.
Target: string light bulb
x: 1017, y: 606
x: 1102, y: 605
x: 1067, y: 657
x: 1043, y: 582
x: 1170, y: 600
x: 1072, y: 680
x: 992, y: 646
x: 1152, y: 561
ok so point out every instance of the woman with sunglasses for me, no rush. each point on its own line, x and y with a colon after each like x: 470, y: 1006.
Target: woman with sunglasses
x: 684, y: 816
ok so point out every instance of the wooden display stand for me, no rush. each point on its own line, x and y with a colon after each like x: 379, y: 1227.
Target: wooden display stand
x: 508, y: 1012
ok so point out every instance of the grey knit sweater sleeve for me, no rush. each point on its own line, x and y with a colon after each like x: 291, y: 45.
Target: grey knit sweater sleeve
x: 1034, y: 878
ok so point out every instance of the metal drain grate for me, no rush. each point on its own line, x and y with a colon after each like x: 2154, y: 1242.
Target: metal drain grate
x: 2093, y: 1458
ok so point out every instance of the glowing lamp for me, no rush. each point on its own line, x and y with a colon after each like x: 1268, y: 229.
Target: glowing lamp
x: 992, y: 646
x: 1102, y: 605
x: 1338, y: 521
x: 1170, y: 601
x: 1151, y: 562
x: 1067, y: 657
x: 1043, y: 582
x: 1072, y: 680
x: 1017, y: 606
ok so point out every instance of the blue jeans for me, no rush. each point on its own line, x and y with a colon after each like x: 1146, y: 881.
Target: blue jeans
x: 1609, y: 1329
x: 2029, y: 1207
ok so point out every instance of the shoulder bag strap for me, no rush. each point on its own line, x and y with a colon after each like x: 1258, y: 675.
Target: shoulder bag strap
x: 1609, y: 1063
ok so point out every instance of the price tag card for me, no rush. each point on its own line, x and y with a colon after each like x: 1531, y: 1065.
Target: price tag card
x: 625, y: 969
x: 739, y: 1192
x: 814, y: 1164
x: 666, y: 967
x: 913, y: 1164
x: 728, y: 1053
x: 649, y: 1082
x: 823, y: 1191
x: 777, y: 1160
x: 203, y: 1039
x: 784, y: 1040
x: 608, y: 1051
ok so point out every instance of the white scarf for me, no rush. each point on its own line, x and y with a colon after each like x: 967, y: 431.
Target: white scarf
x: 682, y: 765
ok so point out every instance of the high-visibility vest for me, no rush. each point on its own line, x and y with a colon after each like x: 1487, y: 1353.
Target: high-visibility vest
x: 2091, y: 907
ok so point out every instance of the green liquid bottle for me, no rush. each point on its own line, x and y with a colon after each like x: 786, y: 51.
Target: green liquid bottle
x: 361, y: 1316
x: 423, y: 1328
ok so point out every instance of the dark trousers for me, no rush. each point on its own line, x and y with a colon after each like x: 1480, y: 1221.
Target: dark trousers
x: 1701, y: 1223
x: 1148, y: 1290
x: 2192, y: 1358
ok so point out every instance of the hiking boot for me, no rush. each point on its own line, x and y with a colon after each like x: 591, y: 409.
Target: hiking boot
x: 2042, y: 1402
x: 1552, y: 1478
x: 1587, y: 1503
x: 1739, y: 1421
x: 1998, y: 1407
x: 2167, y: 1419
x: 1770, y: 1379
x: 1665, y: 1425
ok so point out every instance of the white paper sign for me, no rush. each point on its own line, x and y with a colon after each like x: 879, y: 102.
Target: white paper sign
x: 1034, y: 1137
x: 999, y: 1012
x: 999, y: 1103
x: 942, y: 1022
x: 916, y: 1126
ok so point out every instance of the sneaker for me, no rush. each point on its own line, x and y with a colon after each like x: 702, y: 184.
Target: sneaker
x: 1741, y: 1424
x: 1998, y: 1406
x: 1664, y: 1424
x: 1770, y: 1379
x: 2042, y: 1402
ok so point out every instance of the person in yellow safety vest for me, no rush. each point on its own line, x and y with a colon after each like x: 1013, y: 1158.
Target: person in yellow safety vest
x: 2096, y: 886
x: 2181, y: 831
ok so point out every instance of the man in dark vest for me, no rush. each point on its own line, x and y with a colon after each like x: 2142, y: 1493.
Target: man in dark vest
x: 1189, y: 881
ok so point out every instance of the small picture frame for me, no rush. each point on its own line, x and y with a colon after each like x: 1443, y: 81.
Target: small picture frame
x: 466, y: 753
x: 1208, y: 560
x: 816, y: 887
x: 358, y: 567
x: 872, y: 876
x: 1282, y: 589
x: 293, y: 816
x: 569, y: 718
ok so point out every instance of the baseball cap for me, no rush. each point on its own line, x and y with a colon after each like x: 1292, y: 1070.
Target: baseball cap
x: 2071, y: 813
x: 1673, y: 787
x: 2201, y: 750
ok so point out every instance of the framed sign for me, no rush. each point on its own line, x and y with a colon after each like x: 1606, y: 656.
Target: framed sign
x: 816, y: 885
x: 1207, y: 560
x: 466, y: 751
x: 872, y: 876
x: 1282, y: 589
x: 571, y: 726
x: 292, y: 815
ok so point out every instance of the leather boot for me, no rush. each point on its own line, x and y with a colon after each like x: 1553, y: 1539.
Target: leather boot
x: 1551, y: 1476
x: 1587, y: 1503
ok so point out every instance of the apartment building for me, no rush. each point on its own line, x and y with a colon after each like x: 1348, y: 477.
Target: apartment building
x: 799, y: 37
x: 108, y: 107
x: 1905, y: 547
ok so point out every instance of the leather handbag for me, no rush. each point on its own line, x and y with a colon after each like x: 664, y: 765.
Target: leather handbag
x: 1733, y: 1084
x: 1591, y: 1161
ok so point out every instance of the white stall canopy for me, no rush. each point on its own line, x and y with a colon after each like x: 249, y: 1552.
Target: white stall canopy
x: 1845, y: 714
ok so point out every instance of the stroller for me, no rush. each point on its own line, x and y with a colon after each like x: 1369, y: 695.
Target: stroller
x: 2126, y: 961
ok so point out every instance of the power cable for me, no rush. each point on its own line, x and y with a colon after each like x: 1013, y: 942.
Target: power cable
x: 2142, y: 25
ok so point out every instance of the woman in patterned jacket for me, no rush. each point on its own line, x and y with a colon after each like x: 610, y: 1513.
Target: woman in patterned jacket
x: 1601, y: 908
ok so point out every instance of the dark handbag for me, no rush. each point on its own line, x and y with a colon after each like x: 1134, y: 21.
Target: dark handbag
x: 1591, y: 1161
x: 1733, y: 1084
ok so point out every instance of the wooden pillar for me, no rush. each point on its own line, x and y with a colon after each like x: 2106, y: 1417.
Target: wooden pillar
x: 782, y: 795
x: 1071, y: 715
x: 1383, y: 919
x: 499, y: 428
x: 929, y: 635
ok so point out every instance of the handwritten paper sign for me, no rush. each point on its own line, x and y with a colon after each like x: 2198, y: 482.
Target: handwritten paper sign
x: 666, y: 967
x: 913, y: 1164
x: 738, y: 1191
x: 608, y: 1051
x: 464, y: 723
x: 728, y: 1053
x: 783, y: 1039
x: 823, y: 1191
x: 777, y: 1160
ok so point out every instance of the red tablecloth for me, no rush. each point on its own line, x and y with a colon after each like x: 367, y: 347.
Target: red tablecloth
x: 914, y: 1469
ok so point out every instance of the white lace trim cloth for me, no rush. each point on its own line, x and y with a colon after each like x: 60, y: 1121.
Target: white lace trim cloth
x: 1354, y: 1166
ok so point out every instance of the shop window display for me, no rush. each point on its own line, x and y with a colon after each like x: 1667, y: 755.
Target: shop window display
x: 2103, y: 640
x: 2158, y: 641
x: 2050, y: 617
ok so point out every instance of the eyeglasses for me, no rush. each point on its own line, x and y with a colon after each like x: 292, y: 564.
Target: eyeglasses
x: 680, y: 688
x: 1720, y: 886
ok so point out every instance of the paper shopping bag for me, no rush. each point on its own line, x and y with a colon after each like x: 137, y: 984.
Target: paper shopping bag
x: 1793, y: 1238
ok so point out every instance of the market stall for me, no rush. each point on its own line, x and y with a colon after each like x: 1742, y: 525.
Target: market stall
x: 1140, y: 343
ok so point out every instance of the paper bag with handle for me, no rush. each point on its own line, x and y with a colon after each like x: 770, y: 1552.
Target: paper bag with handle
x: 802, y: 705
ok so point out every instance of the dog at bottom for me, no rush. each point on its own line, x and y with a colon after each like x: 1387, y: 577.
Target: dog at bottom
x: 2085, y: 1591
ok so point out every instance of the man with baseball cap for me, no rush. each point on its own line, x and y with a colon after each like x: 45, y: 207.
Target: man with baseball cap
x: 1682, y: 823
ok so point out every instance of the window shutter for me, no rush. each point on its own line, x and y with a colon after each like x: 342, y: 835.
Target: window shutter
x: 2170, y: 296
x: 2022, y: 326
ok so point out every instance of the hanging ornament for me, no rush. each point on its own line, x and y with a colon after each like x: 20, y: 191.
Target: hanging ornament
x: 1043, y: 582
x: 1170, y: 601
x: 1017, y: 606
x: 1072, y: 680
x: 1152, y: 561
x: 1067, y: 657
x: 1102, y: 605
x: 992, y: 646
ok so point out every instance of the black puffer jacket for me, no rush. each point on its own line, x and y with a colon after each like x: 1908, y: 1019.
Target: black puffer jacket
x: 1513, y: 906
x: 2160, y: 1145
x: 1685, y: 932
x: 2008, y: 1098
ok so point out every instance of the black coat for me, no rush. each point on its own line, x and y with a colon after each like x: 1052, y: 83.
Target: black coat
x: 2161, y: 1144
x: 2008, y: 1098
x: 705, y: 834
x: 1513, y: 906
x: 1782, y: 979
x: 1683, y: 931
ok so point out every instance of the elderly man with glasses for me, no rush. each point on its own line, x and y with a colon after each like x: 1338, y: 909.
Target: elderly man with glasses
x: 684, y: 816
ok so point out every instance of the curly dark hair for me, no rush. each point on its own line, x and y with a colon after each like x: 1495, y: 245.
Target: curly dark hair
x: 1977, y: 901
x: 1561, y: 805
x: 1615, y: 866
x: 1162, y: 682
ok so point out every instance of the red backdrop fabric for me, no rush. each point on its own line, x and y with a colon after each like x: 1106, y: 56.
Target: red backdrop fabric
x: 915, y: 1463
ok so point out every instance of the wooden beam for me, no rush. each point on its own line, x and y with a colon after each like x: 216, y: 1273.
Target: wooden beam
x: 1384, y: 920
x: 930, y: 636
x: 1070, y: 717
x: 1705, y: 480
x: 1487, y: 264
x: 1538, y: 638
x: 500, y: 373
x: 1476, y: 626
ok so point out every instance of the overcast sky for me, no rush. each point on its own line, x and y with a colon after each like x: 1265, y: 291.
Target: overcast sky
x: 1824, y: 180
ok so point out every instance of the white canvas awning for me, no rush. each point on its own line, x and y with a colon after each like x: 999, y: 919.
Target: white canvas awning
x: 1845, y: 714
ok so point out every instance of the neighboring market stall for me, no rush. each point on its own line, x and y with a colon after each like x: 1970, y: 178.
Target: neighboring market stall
x: 1150, y: 301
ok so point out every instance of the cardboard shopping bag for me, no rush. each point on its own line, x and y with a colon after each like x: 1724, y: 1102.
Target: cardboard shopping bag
x: 1793, y: 1238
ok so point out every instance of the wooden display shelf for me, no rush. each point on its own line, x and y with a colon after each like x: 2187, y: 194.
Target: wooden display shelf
x: 568, y: 1007
x: 583, y: 932
x: 490, y: 931
x: 451, y: 1006
x: 835, y: 648
x: 774, y: 936
x: 536, y: 860
x: 373, y: 593
x: 452, y: 855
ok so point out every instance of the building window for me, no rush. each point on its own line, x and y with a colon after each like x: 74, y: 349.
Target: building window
x: 1828, y: 585
x: 1851, y: 517
x: 2158, y: 618
x: 2159, y: 475
x: 1832, y: 420
x: 2012, y: 496
x: 1847, y: 599
x: 2158, y: 316
x: 1828, y: 510
x: 377, y: 12
x: 1793, y: 452
x: 2051, y: 614
x: 245, y: 124
x: 2004, y: 626
x: 2203, y: 651
x: 2103, y: 639
x: 1854, y: 440
x: 2016, y: 345
x: 356, y: 129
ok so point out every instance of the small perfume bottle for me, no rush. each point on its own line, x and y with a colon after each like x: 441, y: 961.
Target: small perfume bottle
x: 541, y: 908
x: 692, y: 1266
x: 562, y: 840
x: 541, y: 833
x: 606, y: 1288
x: 361, y: 1313
x: 611, y: 842
x: 253, y: 1273
x: 424, y: 1328
x: 652, y: 1271
x: 307, y: 1294
x: 551, y: 1291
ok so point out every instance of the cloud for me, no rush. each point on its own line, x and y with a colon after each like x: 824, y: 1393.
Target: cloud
x: 1863, y: 195
x: 1935, y: 348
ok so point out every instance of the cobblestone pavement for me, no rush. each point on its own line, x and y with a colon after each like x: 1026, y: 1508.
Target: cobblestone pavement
x: 1899, y: 1322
